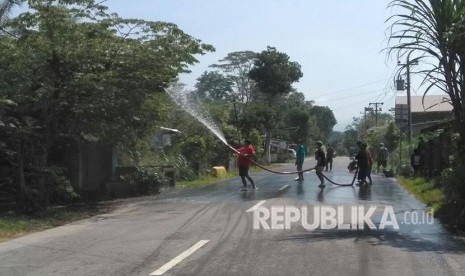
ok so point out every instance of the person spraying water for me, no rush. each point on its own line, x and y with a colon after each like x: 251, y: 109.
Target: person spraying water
x: 244, y: 161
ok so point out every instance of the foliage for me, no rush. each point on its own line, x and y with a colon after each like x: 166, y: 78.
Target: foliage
x: 454, y: 191
x: 388, y: 134
x: 5, y: 8
x: 14, y: 224
x: 431, y: 33
x: 145, y: 181
x: 182, y: 166
x: 426, y: 191
x: 298, y: 124
x: 325, y: 119
x: 237, y: 66
x: 274, y: 73
x: 257, y: 141
x: 214, y: 86
x: 75, y: 71
x: 350, y: 140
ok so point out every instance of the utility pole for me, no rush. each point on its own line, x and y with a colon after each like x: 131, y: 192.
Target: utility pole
x: 367, y: 109
x: 376, y: 111
x: 409, y: 104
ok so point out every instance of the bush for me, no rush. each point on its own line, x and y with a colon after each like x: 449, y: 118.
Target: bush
x: 453, y: 180
x: 45, y: 187
x: 145, y: 181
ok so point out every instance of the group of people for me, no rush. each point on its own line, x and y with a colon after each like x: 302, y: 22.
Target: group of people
x: 324, y: 161
x: 365, y: 161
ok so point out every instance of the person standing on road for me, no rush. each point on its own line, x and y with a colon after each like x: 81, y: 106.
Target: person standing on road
x: 320, y: 157
x: 381, y: 157
x: 363, y: 164
x: 243, y: 163
x: 370, y: 164
x: 299, y: 161
x: 329, y: 157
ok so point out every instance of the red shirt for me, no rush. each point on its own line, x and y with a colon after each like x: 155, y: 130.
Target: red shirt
x: 249, y: 152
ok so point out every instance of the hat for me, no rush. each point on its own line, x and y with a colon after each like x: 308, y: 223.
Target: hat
x: 319, y: 143
x: 381, y: 144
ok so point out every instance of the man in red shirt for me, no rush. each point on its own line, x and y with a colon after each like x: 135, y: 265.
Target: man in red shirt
x: 243, y: 163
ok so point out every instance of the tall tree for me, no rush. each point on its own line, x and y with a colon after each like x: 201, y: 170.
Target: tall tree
x: 298, y: 125
x: 325, y: 119
x: 237, y: 66
x: 214, y: 85
x: 274, y: 75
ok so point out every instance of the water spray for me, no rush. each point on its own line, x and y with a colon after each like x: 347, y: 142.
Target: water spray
x: 180, y: 98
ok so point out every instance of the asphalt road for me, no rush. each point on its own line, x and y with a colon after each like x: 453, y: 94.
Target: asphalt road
x: 222, y: 231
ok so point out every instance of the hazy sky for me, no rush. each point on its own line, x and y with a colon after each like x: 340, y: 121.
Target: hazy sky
x: 338, y: 43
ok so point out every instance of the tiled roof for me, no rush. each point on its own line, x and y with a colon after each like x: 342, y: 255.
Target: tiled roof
x: 430, y: 103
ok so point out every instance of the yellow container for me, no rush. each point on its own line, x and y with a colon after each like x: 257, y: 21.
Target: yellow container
x: 219, y: 171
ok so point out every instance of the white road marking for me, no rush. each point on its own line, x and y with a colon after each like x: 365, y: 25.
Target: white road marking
x: 179, y: 258
x: 283, y: 187
x: 256, y: 206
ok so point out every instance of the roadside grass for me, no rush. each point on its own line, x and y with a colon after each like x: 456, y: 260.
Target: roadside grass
x: 13, y: 224
x: 204, y: 181
x: 425, y: 191
x: 209, y: 180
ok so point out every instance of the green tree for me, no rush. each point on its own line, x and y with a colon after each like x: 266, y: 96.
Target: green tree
x: 325, y: 119
x: 237, y: 66
x: 214, y: 86
x: 274, y: 74
x: 298, y: 125
x: 77, y: 72
x: 350, y: 140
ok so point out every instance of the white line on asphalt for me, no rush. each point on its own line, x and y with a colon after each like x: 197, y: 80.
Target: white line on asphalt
x: 256, y: 206
x: 283, y: 187
x: 179, y: 258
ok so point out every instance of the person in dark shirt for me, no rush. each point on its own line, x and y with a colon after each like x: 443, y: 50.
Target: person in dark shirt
x: 363, y: 163
x: 243, y: 163
x: 320, y: 157
x: 329, y: 157
x: 370, y: 164
x: 381, y: 157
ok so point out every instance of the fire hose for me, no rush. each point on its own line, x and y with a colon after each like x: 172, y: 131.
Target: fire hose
x: 295, y: 172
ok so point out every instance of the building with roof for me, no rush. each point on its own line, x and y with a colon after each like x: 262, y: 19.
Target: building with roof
x: 426, y: 111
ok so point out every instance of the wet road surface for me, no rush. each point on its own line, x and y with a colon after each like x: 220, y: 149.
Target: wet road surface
x: 221, y: 231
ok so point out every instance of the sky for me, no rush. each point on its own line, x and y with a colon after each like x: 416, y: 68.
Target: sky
x: 339, y: 44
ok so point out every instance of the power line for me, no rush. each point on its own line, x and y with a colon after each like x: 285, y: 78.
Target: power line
x: 346, y: 97
x: 348, y: 89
